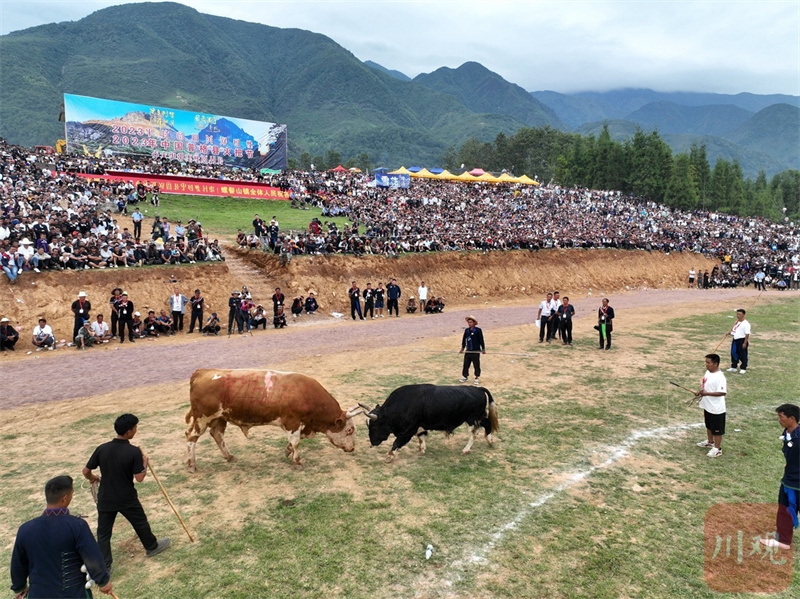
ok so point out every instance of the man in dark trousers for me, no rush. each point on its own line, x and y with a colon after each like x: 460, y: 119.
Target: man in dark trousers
x: 472, y: 342
x: 197, y: 302
x: 50, y: 550
x: 393, y: 294
x: 278, y: 299
x: 355, y: 301
x: 235, y: 312
x: 565, y: 313
x: 789, y: 493
x: 605, y: 324
x: 120, y: 464
x: 125, y: 312
x: 369, y: 301
x: 80, y: 309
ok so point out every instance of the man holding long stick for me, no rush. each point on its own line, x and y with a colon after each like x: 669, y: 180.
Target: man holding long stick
x: 712, y: 392
x: 121, y: 463
x: 472, y: 341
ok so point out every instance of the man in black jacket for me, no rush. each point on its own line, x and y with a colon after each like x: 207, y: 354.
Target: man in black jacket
x: 472, y: 342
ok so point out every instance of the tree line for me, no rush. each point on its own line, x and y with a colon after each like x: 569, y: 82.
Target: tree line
x: 642, y: 165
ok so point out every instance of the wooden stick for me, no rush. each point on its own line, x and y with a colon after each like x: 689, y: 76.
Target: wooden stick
x: 691, y: 401
x: 731, y: 329
x: 164, y: 491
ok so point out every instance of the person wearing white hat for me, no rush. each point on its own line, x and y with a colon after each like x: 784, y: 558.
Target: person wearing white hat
x: 80, y: 308
x: 26, y: 253
x: 8, y: 335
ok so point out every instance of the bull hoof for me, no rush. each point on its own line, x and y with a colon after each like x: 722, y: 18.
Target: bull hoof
x: 389, y: 459
x: 231, y: 458
x: 465, y: 451
x: 192, y: 469
x: 297, y: 465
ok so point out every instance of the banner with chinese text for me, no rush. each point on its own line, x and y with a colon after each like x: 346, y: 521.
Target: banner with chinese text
x: 96, y: 127
x: 196, y: 186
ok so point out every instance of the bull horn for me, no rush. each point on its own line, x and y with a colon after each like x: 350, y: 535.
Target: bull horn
x: 367, y: 408
x: 368, y: 412
x: 354, y: 411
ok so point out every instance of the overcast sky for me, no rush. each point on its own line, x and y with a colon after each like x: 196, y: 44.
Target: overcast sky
x: 727, y: 46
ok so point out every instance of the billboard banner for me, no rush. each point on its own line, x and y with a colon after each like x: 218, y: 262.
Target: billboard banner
x: 195, y: 186
x: 393, y: 181
x: 95, y: 126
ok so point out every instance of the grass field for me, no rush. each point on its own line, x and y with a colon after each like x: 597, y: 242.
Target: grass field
x: 595, y: 490
x: 218, y: 214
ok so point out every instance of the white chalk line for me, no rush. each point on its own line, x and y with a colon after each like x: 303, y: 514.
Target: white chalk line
x: 616, y: 452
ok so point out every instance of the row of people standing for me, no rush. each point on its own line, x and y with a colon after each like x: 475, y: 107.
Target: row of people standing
x: 554, y: 318
x: 374, y: 299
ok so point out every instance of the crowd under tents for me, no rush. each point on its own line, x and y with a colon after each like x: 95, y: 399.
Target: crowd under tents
x: 475, y: 175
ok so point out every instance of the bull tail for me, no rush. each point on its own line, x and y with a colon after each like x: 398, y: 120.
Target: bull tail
x: 493, y: 413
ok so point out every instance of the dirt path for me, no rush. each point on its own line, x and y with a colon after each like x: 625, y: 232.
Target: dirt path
x: 71, y: 374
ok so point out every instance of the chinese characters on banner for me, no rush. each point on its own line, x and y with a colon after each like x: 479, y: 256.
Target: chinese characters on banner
x: 202, y: 187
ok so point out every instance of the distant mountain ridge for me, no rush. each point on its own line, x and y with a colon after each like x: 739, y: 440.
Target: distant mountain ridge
x: 150, y: 53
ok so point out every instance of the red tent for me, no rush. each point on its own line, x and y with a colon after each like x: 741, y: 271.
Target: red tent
x: 339, y: 169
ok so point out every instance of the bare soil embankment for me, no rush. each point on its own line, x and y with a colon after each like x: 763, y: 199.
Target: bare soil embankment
x: 461, y: 278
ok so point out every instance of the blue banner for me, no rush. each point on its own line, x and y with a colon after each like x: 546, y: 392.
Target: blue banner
x: 393, y: 181
x: 105, y: 127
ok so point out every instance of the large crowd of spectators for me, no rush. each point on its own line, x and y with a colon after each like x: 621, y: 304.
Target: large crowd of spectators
x: 51, y: 219
x: 44, y: 204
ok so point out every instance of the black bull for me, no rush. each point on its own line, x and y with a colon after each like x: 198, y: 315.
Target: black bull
x: 415, y: 409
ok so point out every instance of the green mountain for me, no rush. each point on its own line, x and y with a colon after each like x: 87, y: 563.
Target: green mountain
x: 481, y: 90
x: 396, y: 74
x: 775, y: 131
x: 170, y: 55
x: 669, y: 117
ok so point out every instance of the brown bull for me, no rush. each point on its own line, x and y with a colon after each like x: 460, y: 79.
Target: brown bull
x: 295, y: 402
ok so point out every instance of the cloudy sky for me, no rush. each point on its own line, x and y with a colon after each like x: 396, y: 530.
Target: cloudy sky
x: 723, y: 46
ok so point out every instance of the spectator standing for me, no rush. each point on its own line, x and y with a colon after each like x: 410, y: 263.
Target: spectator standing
x: 789, y: 493
x: 120, y: 464
x: 355, y: 301
x: 369, y: 301
x: 393, y: 294
x: 81, y: 308
x: 197, y: 302
x: 543, y: 316
x: 741, y: 341
x: 137, y: 217
x: 177, y: 305
x: 472, y: 343
x: 50, y: 550
x: 234, y: 312
x: 605, y: 324
x: 8, y: 335
x: 380, y: 294
x: 422, y: 296
x: 712, y: 392
x: 555, y: 321
x: 278, y: 300
x: 565, y: 313
x: 43, y: 336
x: 113, y: 302
x: 126, y: 310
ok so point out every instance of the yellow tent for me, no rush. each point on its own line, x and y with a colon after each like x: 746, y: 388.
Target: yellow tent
x: 506, y: 178
x: 488, y: 178
x: 446, y: 175
x: 425, y: 174
x: 401, y: 171
x: 465, y: 177
x: 527, y: 180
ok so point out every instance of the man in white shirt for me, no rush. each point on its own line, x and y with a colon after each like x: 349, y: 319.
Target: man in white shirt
x: 712, y: 392
x: 177, y: 305
x: 543, y: 316
x: 100, y: 329
x: 741, y: 341
x: 43, y: 336
x: 422, y: 295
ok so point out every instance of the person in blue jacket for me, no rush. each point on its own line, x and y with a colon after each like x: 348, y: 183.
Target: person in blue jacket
x: 51, y: 549
x: 789, y: 493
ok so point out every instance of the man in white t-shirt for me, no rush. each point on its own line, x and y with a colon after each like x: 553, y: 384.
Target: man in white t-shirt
x: 741, y: 341
x: 100, y: 329
x: 43, y: 336
x: 422, y: 296
x: 543, y: 316
x: 712, y: 392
